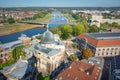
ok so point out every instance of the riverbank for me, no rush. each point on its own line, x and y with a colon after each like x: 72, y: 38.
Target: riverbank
x: 17, y: 27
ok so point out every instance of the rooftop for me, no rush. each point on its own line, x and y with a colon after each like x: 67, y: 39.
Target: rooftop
x: 102, y: 39
x: 48, y: 51
x: 10, y: 44
x: 80, y: 70
x: 17, y: 70
x: 105, y: 36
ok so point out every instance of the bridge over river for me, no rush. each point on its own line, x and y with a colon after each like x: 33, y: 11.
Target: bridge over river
x: 45, y: 23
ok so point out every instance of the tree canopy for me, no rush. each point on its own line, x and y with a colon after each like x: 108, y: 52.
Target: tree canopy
x: 73, y: 57
x: 17, y: 52
x: 66, y: 32
x: 11, y: 20
x: 86, y: 53
x: 93, y: 29
x: 76, y: 16
x: 78, y: 29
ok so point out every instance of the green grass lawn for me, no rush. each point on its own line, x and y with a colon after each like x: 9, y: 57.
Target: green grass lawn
x: 44, y: 19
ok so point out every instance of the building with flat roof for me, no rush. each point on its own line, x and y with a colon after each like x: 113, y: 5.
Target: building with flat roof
x: 102, y: 44
x: 80, y: 70
x: 6, y: 49
x: 21, y: 70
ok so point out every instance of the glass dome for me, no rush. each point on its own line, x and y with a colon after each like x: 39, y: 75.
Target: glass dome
x: 47, y: 38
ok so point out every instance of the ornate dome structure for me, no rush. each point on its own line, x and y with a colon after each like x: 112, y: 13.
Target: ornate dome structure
x: 47, y: 37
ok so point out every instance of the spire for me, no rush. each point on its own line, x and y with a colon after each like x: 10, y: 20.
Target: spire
x: 47, y: 27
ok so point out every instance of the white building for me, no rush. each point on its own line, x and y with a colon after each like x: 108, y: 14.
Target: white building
x: 102, y: 44
x: 50, y: 53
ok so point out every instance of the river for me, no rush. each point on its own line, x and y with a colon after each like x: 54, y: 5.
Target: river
x: 13, y: 37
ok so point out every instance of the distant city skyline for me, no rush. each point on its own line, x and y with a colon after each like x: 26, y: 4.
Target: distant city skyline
x: 59, y: 3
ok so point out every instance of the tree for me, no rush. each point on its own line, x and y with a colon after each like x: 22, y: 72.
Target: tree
x: 78, y: 29
x: 38, y: 37
x: 114, y: 24
x: 93, y: 29
x: 76, y: 16
x: 66, y: 32
x: 17, y: 52
x: 11, y: 20
x: 105, y: 25
x: 86, y: 53
x: 73, y: 57
x: 41, y: 77
x: 74, y: 45
x: 57, y: 30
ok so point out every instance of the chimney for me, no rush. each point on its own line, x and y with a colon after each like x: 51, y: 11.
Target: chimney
x: 88, y: 73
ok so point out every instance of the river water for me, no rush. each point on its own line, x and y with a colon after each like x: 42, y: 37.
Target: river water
x: 13, y: 37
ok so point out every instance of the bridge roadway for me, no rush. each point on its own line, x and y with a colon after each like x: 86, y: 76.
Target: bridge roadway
x: 41, y: 23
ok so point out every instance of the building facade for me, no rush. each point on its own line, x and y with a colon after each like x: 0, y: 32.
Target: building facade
x: 102, y: 44
x: 50, y: 53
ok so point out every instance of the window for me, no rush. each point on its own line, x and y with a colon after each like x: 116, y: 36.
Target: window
x: 102, y: 53
x: 48, y: 57
x: 111, y: 53
x: 112, y: 48
x: 1, y: 55
x: 116, y: 48
x: 99, y: 49
x: 106, y: 53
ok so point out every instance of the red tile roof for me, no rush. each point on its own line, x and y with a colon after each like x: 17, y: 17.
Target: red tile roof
x: 78, y: 71
x: 96, y: 42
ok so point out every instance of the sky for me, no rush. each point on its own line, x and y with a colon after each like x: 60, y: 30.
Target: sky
x: 59, y: 3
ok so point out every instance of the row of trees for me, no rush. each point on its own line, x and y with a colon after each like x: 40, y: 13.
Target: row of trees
x: 17, y: 52
x: 8, y: 20
x: 86, y: 53
x: 66, y: 31
x: 110, y: 25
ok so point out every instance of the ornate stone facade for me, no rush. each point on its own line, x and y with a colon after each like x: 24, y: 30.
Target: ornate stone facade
x: 50, y: 53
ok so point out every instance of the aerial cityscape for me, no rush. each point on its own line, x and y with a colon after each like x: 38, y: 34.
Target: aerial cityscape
x: 60, y: 40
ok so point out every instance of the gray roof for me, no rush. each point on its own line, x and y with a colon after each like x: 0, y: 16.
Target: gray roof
x: 48, y: 51
x: 18, y: 70
x: 47, y: 37
x: 11, y: 44
x: 30, y: 50
x: 104, y: 36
